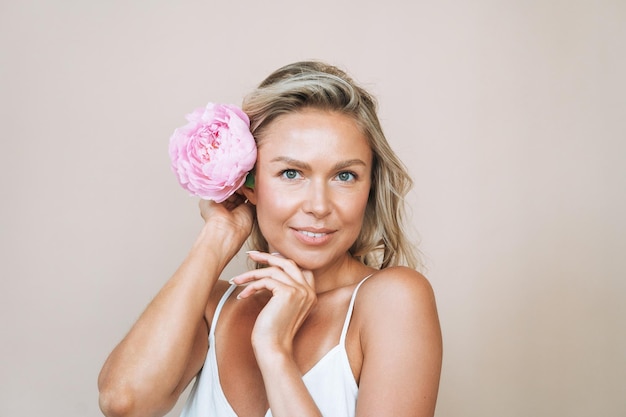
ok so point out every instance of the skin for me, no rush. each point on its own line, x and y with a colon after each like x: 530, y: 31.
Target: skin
x: 312, y: 184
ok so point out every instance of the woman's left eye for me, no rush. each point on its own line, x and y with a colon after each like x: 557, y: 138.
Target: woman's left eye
x: 346, y: 176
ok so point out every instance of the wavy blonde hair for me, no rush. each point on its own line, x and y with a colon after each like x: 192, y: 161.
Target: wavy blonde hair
x: 382, y: 241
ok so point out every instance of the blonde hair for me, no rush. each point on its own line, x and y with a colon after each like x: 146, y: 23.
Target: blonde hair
x: 382, y: 241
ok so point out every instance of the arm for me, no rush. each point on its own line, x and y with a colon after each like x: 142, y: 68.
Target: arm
x: 293, y: 296
x: 286, y: 392
x: 146, y: 373
x: 401, y: 344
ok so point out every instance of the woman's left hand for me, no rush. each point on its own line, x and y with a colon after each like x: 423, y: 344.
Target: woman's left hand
x: 293, y: 296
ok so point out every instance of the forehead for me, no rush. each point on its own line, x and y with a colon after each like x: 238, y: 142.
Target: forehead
x: 313, y: 133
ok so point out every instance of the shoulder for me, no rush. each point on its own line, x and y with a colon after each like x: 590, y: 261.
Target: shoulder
x: 400, y: 343
x: 393, y: 287
x: 395, y: 302
x: 397, y: 348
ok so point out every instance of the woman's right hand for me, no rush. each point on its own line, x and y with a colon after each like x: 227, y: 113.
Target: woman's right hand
x: 233, y: 217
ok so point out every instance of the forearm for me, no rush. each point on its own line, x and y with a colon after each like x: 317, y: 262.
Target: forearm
x: 150, y: 363
x: 286, y: 392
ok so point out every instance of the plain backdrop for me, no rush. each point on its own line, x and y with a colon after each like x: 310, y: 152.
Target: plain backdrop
x: 511, y: 116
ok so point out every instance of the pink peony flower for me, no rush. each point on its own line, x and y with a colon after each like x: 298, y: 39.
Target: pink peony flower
x: 212, y: 154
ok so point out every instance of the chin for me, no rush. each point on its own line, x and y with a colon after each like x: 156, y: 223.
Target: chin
x: 310, y: 261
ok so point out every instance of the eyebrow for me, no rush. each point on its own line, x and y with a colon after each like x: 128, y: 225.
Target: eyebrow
x: 303, y: 165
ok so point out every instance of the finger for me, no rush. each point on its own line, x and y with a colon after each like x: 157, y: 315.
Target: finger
x: 288, y: 265
x: 277, y: 260
x: 233, y: 201
x: 262, y: 284
x: 270, y: 272
x: 276, y: 287
x: 309, y: 278
x: 244, y: 209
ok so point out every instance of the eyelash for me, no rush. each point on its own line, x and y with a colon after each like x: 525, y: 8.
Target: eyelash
x: 353, y: 176
x: 284, y: 172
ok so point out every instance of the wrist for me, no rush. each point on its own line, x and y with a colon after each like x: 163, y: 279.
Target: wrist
x: 219, y: 242
x: 272, y: 360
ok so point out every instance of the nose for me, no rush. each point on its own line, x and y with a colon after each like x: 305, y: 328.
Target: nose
x: 317, y: 200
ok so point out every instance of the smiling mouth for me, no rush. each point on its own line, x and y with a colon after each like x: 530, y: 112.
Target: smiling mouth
x: 312, y: 234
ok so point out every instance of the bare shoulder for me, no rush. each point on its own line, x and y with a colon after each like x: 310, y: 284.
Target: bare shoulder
x: 395, y: 288
x: 396, y: 305
x: 400, y: 344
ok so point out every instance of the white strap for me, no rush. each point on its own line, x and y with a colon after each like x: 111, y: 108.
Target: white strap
x: 346, y: 323
x: 218, y: 310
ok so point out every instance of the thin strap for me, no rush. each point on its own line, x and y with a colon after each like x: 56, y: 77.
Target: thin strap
x: 218, y: 310
x: 346, y: 323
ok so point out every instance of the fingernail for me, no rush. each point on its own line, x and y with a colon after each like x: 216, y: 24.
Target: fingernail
x: 232, y: 281
x: 275, y: 253
x: 252, y: 251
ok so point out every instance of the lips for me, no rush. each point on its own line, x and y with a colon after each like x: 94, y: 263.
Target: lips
x: 313, y: 236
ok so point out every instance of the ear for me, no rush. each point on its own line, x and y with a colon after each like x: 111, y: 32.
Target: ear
x: 248, y: 188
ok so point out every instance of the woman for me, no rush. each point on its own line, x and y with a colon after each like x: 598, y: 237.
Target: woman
x: 329, y: 323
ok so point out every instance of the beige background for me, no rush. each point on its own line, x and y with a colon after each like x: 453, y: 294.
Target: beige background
x: 510, y: 114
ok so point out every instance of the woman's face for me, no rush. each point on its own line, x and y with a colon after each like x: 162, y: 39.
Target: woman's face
x: 313, y: 178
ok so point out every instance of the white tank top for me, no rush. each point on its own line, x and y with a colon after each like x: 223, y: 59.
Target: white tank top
x: 330, y: 382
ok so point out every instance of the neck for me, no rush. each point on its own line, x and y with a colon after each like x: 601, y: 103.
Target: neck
x: 346, y: 271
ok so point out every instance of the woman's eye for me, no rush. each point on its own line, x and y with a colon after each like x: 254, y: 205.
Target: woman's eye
x: 346, y: 176
x: 290, y: 174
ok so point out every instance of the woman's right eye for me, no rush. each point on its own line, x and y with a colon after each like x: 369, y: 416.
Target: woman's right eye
x: 290, y: 174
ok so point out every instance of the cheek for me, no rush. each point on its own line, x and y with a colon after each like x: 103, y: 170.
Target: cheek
x: 268, y: 195
x: 353, y: 210
x: 271, y: 206
x: 360, y: 199
x: 359, y: 211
